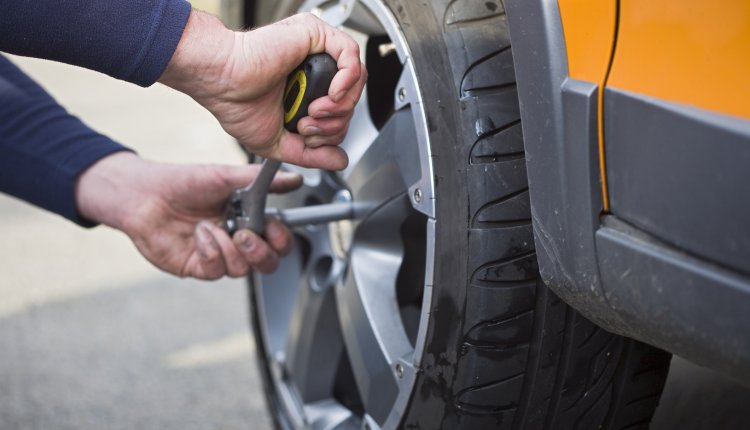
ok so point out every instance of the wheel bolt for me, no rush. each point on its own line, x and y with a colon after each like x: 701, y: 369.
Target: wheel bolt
x: 399, y: 370
x: 401, y: 94
x: 418, y: 195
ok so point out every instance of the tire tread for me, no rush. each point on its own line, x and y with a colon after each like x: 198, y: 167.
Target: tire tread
x: 573, y: 377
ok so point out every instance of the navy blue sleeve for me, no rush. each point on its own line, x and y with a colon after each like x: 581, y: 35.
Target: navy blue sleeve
x: 132, y: 40
x: 43, y: 149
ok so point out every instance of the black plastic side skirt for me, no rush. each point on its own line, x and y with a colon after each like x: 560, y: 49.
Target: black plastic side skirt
x: 681, y: 174
x: 674, y: 300
x: 559, y: 121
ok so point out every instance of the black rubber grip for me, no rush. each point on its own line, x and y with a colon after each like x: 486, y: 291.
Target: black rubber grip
x: 308, y: 82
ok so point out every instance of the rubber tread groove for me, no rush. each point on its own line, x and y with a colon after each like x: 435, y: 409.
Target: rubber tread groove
x: 534, y: 357
x: 496, y: 131
x: 594, y: 404
x: 500, y: 224
x: 496, y: 322
x: 482, y: 410
x: 466, y: 22
x: 489, y: 384
x: 606, y: 346
x: 503, y: 284
x: 502, y: 262
x: 651, y: 396
x: 499, y: 201
x: 494, y: 347
x: 561, y: 375
x: 588, y: 382
x: 497, y: 158
x: 588, y: 338
x: 488, y: 90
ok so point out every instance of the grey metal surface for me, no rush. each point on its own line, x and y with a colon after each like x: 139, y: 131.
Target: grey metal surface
x: 319, y: 214
x: 671, y: 299
x: 247, y: 206
x: 368, y: 309
x: 681, y: 174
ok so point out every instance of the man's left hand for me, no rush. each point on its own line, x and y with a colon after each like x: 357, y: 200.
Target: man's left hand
x: 173, y: 214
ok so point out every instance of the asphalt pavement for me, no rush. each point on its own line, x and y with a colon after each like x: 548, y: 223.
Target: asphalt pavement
x: 93, y: 337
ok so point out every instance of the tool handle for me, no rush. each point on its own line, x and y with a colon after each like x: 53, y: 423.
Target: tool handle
x: 308, y: 82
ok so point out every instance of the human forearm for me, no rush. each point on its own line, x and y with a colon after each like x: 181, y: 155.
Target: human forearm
x: 43, y: 148
x: 130, y: 40
x: 200, y: 59
x: 111, y: 190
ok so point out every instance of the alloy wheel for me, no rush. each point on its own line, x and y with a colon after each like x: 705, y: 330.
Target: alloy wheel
x: 342, y: 322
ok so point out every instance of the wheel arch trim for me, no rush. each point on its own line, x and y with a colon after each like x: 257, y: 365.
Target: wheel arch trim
x: 562, y: 160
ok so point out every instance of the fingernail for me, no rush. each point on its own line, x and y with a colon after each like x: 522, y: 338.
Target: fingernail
x: 202, y: 234
x: 312, y: 130
x: 288, y: 175
x: 246, y: 240
x: 273, y: 230
x: 203, y: 237
x: 323, y: 114
x: 339, y: 95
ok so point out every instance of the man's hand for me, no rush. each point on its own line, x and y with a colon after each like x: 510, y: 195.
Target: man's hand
x: 172, y: 213
x: 240, y: 77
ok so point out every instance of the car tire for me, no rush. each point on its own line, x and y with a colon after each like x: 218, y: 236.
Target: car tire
x: 500, y: 349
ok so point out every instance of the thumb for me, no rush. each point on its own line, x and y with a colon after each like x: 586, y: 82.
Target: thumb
x: 292, y: 149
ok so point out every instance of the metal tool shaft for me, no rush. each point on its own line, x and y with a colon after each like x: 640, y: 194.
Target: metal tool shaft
x: 247, y: 206
x: 254, y: 200
x: 317, y: 214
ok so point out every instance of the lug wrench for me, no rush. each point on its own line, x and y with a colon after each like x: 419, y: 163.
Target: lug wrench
x: 246, y: 207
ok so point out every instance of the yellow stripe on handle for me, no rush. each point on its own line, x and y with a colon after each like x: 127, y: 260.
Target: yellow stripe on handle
x: 301, y: 79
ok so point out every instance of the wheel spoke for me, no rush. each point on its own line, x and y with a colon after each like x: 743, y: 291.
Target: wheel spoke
x: 367, y: 304
x: 278, y: 301
x: 355, y: 144
x: 349, y: 13
x: 330, y: 415
x: 389, y: 165
x: 313, y: 344
x: 340, y: 357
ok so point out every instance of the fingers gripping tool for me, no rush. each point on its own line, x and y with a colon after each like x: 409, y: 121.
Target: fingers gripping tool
x: 246, y: 207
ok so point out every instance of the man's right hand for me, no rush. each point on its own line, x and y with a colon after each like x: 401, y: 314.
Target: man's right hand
x: 240, y: 77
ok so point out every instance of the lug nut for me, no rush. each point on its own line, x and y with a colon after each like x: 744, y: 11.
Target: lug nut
x: 386, y: 49
x: 418, y: 195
